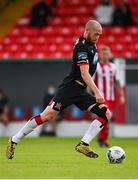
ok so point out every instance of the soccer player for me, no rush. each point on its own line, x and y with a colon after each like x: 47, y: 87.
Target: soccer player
x: 106, y: 79
x: 73, y: 91
x: 1, y: 112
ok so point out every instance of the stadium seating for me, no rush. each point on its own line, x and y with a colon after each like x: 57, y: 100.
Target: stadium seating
x: 57, y: 39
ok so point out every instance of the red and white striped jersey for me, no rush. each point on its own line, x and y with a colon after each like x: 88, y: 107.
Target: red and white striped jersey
x: 105, y: 77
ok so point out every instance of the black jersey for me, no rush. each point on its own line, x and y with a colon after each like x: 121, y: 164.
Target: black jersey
x: 83, y: 53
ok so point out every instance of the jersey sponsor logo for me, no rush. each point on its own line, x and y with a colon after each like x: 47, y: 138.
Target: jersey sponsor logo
x: 55, y: 105
x: 58, y: 105
x: 95, y: 59
x: 82, y: 55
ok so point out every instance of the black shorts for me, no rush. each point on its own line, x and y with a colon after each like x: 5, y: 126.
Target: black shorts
x: 72, y: 93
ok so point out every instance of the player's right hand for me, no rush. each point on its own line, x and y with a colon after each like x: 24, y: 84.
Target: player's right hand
x: 99, y: 98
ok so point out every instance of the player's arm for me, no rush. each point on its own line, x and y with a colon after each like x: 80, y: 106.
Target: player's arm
x: 90, y: 82
x: 121, y: 92
x: 120, y: 88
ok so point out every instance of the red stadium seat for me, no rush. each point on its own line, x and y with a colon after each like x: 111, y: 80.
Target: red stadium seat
x: 15, y: 32
x: 43, y: 48
x: 109, y: 39
x: 6, y: 55
x: 40, y: 55
x: 64, y: 28
x: 125, y: 39
x: 133, y: 31
x: 59, y: 40
x: 135, y: 9
x: 24, y: 40
x: 136, y: 19
x: 72, y: 20
x: 56, y: 21
x: 134, y: 47
x: 52, y: 48
x: 55, y: 55
x: 29, y: 47
x: 1, y: 47
x: 105, y: 31
x: 117, y: 31
x: 7, y: 41
x: 20, y: 54
x: 65, y: 48
x: 47, y: 31
x: 128, y: 54
x: 118, y: 47
x: 30, y: 31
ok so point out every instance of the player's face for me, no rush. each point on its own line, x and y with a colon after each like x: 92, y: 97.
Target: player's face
x: 105, y: 55
x: 94, y: 35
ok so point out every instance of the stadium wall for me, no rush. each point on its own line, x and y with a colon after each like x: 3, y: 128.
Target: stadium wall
x: 25, y: 81
x: 71, y: 129
x: 132, y: 90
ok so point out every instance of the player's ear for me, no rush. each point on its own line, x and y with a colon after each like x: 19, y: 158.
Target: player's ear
x: 86, y: 33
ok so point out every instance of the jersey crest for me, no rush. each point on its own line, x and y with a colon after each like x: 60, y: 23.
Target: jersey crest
x: 95, y: 59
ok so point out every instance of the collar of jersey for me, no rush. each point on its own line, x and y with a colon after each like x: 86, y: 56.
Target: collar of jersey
x: 91, y: 44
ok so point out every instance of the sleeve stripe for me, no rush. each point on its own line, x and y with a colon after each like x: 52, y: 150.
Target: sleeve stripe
x: 82, y: 61
x: 83, y: 64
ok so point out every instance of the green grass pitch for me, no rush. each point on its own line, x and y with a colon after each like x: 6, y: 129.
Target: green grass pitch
x: 56, y: 158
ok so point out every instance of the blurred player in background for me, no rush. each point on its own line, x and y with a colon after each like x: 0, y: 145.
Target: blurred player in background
x: 47, y: 98
x: 106, y: 79
x: 73, y: 90
x: 1, y: 113
x: 4, y: 108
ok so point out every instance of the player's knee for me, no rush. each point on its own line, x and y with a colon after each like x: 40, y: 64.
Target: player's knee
x: 48, y: 114
x: 108, y: 114
x: 102, y: 111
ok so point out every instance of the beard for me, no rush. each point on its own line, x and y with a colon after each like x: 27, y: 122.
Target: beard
x: 90, y: 40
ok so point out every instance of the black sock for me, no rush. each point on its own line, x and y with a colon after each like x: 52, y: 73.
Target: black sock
x: 85, y: 144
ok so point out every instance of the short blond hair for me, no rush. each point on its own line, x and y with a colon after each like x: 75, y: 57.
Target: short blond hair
x: 105, y: 48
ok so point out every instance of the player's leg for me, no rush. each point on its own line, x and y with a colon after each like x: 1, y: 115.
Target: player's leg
x: 103, y: 136
x: 94, y: 128
x: 61, y: 100
x: 97, y: 125
x: 88, y: 102
x: 47, y: 115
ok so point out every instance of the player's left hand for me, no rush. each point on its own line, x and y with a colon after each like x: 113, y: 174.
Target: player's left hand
x: 99, y: 98
x: 122, y: 100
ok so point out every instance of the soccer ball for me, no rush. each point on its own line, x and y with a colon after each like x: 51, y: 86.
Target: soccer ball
x: 115, y: 154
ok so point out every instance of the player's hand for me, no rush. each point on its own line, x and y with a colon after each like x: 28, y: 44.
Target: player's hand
x: 99, y: 98
x: 122, y: 100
